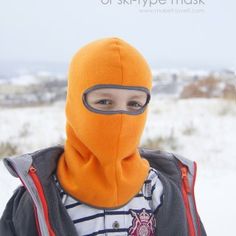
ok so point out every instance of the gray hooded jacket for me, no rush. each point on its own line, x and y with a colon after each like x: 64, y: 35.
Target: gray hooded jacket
x: 36, y: 208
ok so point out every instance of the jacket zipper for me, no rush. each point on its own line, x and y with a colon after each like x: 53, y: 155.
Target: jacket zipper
x: 33, y: 175
x: 37, y: 221
x: 195, y: 206
x: 186, y: 190
x: 35, y: 210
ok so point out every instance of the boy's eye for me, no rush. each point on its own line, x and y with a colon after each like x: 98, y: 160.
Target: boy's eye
x: 103, y: 101
x: 135, y: 104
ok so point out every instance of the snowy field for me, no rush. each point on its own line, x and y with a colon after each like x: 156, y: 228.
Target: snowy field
x: 199, y: 129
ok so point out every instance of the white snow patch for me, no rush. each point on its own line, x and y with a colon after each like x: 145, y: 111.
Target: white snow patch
x: 204, y: 130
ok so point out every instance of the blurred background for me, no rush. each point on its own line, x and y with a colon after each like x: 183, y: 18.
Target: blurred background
x: 190, y: 47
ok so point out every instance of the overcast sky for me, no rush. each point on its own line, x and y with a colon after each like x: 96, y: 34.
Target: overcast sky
x: 52, y: 31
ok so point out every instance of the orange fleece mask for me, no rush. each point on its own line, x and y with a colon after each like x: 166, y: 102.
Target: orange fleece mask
x: 101, y: 165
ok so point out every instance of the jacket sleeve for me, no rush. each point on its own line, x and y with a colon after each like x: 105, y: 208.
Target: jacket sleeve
x: 18, y: 218
x: 6, y: 222
x: 203, y: 231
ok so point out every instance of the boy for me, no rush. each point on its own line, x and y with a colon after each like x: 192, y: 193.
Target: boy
x: 99, y: 182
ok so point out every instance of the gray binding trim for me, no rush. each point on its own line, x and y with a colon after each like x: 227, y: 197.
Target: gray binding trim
x: 19, y: 166
x: 186, y: 162
x: 190, y: 165
x: 117, y: 86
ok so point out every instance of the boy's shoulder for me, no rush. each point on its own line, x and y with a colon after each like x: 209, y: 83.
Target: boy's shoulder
x: 45, y: 160
x: 170, y: 164
x: 158, y: 155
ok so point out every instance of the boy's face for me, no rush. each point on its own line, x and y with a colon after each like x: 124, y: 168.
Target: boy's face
x: 113, y: 99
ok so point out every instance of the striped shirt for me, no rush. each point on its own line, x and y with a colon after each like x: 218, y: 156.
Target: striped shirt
x: 134, y: 218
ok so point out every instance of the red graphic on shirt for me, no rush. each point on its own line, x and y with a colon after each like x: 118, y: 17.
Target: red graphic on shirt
x: 143, y: 223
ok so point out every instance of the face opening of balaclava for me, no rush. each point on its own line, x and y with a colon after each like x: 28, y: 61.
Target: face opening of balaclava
x: 101, y: 165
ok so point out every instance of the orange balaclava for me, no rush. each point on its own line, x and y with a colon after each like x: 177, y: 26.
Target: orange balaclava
x: 101, y: 165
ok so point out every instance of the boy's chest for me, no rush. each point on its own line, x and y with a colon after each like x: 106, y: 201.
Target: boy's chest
x: 135, y: 218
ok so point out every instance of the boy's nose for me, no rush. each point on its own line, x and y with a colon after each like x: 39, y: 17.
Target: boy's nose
x: 121, y: 106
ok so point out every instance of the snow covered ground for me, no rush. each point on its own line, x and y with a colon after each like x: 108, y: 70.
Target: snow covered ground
x: 199, y: 129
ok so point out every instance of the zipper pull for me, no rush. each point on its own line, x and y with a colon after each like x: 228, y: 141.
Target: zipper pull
x: 184, y: 172
x: 32, y: 169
